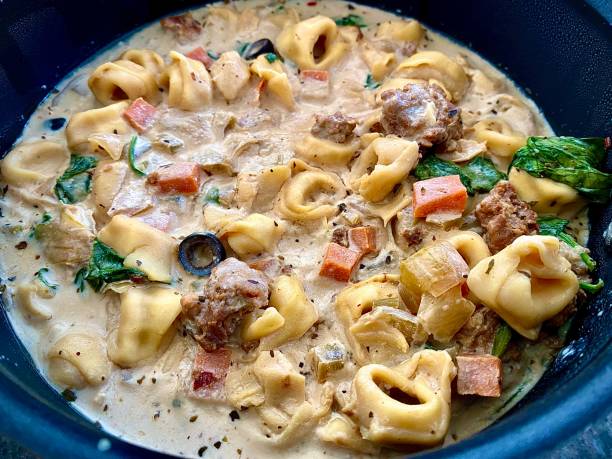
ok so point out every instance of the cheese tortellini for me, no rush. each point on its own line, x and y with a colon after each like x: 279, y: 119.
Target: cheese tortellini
x: 501, y: 140
x: 526, y: 283
x: 379, y: 62
x: 545, y: 195
x: 143, y: 247
x: 310, y: 193
x: 78, y: 359
x: 35, y: 163
x: 390, y: 160
x: 470, y: 245
x: 435, y: 67
x: 146, y: 317
x: 28, y: 297
x: 275, y: 77
x: 299, y: 314
x: 188, y: 82
x: 106, y: 120
x: 252, y: 235
x: 312, y: 44
x: 146, y: 58
x: 121, y: 80
x: 400, y: 31
x: 427, y: 377
x: 326, y: 152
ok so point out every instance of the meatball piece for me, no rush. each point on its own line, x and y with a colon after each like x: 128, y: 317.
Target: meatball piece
x: 504, y: 216
x: 233, y: 290
x: 478, y: 334
x: 420, y: 112
x: 336, y: 128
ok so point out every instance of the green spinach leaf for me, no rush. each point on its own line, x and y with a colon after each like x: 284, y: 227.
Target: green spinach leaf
x: 132, y: 153
x: 371, y: 83
x: 569, y: 160
x: 479, y: 175
x: 75, y: 183
x: 555, y: 226
x: 41, y: 276
x: 351, y: 20
x: 503, y: 335
x: 213, y: 196
x: 106, y: 266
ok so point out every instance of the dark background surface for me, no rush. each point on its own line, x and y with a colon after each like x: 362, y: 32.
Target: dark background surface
x: 559, y: 50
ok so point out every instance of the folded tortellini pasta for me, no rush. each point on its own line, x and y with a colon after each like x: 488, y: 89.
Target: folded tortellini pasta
x: 275, y: 77
x: 501, y: 140
x: 146, y: 58
x: 252, y: 235
x: 258, y: 191
x: 145, y: 248
x: 34, y: 163
x: 107, y: 120
x: 435, y: 67
x: 342, y: 431
x: 470, y: 245
x: 146, y: 317
x: 29, y: 296
x: 121, y: 80
x: 299, y: 314
x: 384, y: 419
x: 545, y: 195
x: 325, y: 152
x: 379, y: 62
x: 526, y: 283
x: 78, y: 359
x: 188, y: 82
x: 312, y: 44
x: 392, y: 204
x: 400, y: 31
x: 382, y: 166
x: 255, y: 328
x: 296, y: 195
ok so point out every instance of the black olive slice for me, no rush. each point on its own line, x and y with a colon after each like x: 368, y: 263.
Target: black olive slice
x: 196, y: 244
x: 263, y: 46
x: 55, y: 124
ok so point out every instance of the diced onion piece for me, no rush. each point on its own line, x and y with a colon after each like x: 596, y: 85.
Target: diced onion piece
x: 443, y: 316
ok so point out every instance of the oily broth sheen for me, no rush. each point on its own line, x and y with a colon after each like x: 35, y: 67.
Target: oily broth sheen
x: 147, y: 405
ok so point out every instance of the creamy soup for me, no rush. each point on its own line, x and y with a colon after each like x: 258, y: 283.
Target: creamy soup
x: 265, y: 229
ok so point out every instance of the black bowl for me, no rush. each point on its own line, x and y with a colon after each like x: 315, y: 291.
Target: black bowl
x: 558, y: 50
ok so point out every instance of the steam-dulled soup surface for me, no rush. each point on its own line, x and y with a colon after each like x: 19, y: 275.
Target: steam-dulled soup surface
x: 290, y: 229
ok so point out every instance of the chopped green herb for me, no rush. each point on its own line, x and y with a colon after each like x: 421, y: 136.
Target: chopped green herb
x: 40, y: 275
x: 569, y: 160
x: 212, y: 196
x: 564, y: 329
x: 479, y: 175
x: 36, y: 229
x: 555, y: 226
x: 592, y: 288
x: 79, y: 279
x: 132, y: 156
x: 351, y: 20
x: 106, y: 266
x: 503, y: 335
x: 271, y: 58
x: 75, y: 183
x: 242, y: 47
x: 69, y: 395
x: 214, y: 56
x: 370, y: 82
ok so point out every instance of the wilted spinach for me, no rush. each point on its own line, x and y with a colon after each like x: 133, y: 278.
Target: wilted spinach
x: 75, y: 183
x: 105, y: 266
x: 351, y: 20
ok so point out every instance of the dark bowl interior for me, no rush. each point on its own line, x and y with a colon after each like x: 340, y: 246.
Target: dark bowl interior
x: 557, y: 50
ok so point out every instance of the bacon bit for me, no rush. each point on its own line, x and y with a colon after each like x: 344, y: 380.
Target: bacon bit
x: 182, y: 178
x: 320, y: 75
x: 479, y: 374
x: 209, y: 372
x: 140, y: 114
x: 184, y: 26
x: 339, y: 262
x: 200, y: 54
x: 362, y: 239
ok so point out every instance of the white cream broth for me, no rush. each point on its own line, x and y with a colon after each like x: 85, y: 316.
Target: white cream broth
x: 149, y: 404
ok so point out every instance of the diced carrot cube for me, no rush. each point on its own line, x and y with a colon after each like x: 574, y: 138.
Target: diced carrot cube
x: 140, y: 114
x: 479, y: 374
x: 200, y: 54
x: 183, y: 178
x: 438, y: 194
x: 362, y: 239
x: 339, y: 262
x: 321, y: 75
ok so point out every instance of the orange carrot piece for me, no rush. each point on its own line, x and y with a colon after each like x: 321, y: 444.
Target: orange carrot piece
x: 362, y: 239
x: 321, y: 75
x: 438, y: 194
x: 183, y: 178
x: 200, y: 54
x: 338, y: 262
x: 140, y: 114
